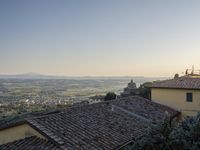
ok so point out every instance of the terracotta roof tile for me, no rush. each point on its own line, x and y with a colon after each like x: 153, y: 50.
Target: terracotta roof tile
x: 30, y: 143
x: 101, y: 126
x: 180, y: 83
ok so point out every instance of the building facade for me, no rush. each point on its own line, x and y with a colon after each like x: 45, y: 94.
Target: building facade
x: 182, y: 93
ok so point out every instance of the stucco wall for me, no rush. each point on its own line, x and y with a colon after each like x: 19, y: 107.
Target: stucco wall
x: 17, y: 132
x: 176, y: 98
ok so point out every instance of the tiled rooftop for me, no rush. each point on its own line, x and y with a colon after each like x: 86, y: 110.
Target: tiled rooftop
x: 105, y: 125
x: 30, y: 143
x: 185, y: 82
x: 145, y: 108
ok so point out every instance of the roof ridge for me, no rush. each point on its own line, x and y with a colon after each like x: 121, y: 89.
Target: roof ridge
x: 131, y: 113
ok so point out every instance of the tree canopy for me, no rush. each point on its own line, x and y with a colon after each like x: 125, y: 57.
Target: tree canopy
x: 144, y: 90
x: 110, y: 96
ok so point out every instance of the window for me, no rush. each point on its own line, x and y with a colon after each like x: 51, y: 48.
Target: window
x: 189, y: 97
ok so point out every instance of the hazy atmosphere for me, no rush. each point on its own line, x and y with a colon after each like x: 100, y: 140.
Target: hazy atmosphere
x: 99, y: 38
x: 99, y: 74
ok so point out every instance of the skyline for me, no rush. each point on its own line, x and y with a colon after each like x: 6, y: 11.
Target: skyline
x: 99, y: 38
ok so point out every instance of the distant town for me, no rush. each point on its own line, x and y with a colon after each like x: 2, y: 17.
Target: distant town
x: 24, y: 95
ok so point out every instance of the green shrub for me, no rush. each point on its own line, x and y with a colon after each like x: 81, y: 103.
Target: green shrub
x: 110, y: 96
x: 183, y: 136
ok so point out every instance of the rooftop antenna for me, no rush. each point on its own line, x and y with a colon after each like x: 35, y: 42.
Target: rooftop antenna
x: 192, y: 70
x: 186, y: 72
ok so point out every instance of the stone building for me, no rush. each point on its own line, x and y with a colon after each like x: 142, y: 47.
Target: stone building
x: 130, y: 90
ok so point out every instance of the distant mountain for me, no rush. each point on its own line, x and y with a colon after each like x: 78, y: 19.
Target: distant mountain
x: 29, y: 75
x: 32, y: 75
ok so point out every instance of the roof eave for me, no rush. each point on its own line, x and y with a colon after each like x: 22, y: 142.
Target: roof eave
x: 42, y: 133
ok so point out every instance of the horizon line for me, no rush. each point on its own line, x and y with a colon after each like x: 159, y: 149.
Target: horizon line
x: 81, y: 76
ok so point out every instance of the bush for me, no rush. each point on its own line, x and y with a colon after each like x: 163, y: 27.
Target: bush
x: 184, y: 136
x: 144, y: 90
x: 187, y: 134
x: 110, y: 96
x: 157, y: 137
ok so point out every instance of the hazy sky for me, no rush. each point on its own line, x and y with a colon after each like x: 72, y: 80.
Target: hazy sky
x: 99, y: 37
